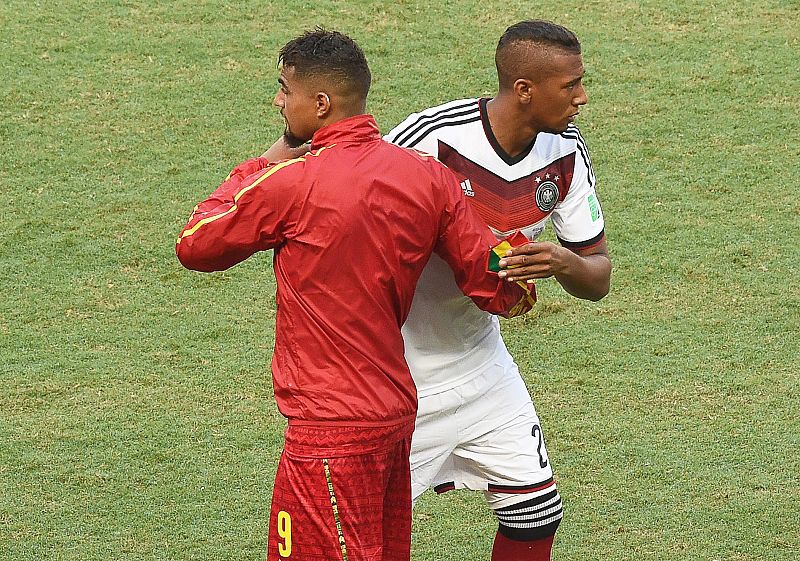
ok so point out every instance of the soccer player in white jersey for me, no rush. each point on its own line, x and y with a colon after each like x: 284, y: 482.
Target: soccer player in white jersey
x: 523, y: 163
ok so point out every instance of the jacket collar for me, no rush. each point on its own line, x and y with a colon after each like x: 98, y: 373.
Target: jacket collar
x: 360, y: 128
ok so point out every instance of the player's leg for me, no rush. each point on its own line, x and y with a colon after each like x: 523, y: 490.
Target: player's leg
x: 505, y: 455
x: 505, y: 549
x: 435, y: 437
x: 332, y: 509
x: 374, y: 502
x: 397, y: 506
x: 523, y: 494
x: 302, y: 523
x: 527, y: 528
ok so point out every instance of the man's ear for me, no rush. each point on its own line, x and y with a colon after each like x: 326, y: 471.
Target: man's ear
x: 523, y: 89
x: 323, y: 104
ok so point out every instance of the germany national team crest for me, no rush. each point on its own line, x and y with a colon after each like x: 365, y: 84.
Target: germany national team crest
x: 546, y: 196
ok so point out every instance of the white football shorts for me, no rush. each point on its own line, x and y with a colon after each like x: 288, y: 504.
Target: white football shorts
x: 485, y: 436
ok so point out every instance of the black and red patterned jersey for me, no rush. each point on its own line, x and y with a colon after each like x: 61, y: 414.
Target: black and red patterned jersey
x: 551, y: 180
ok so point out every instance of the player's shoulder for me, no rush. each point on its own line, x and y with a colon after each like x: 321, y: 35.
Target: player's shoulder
x: 418, y: 126
x: 468, y: 103
x: 420, y: 167
x: 412, y: 156
x: 570, y: 137
x: 556, y: 145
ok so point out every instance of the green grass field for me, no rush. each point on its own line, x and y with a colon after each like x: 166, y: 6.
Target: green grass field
x: 136, y: 413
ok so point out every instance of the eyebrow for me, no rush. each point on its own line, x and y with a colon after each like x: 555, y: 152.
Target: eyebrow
x: 577, y: 78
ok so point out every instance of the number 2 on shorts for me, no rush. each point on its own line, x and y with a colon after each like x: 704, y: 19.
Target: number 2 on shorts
x: 536, y: 431
x: 285, y: 532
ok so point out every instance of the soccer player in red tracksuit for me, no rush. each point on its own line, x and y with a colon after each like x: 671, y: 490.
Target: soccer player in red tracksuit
x: 352, y: 224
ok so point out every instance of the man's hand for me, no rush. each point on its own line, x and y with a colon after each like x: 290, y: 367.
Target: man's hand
x: 281, y: 150
x: 534, y: 260
x: 584, y: 273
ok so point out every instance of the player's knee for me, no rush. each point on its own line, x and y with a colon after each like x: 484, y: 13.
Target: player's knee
x: 532, y: 519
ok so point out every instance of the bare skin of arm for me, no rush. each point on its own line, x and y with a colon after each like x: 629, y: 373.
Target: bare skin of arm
x: 584, y: 273
x: 280, y: 150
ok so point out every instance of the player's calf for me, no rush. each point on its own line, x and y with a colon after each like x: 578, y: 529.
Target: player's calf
x: 526, y: 529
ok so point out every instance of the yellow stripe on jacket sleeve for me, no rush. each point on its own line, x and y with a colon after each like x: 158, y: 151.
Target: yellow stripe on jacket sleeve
x: 238, y: 195
x: 236, y: 198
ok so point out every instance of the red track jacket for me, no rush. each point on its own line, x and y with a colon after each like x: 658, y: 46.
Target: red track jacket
x: 352, y: 223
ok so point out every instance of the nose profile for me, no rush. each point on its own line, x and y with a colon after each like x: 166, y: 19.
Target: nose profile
x: 581, y: 98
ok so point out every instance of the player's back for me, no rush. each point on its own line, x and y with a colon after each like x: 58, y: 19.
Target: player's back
x: 371, y: 217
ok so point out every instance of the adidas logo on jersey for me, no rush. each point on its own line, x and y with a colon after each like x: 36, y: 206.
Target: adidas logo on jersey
x: 466, y: 186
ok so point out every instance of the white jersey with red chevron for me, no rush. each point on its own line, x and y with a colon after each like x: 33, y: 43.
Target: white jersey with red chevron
x: 448, y: 339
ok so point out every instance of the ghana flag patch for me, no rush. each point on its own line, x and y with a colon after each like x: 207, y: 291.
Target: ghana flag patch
x: 499, y: 251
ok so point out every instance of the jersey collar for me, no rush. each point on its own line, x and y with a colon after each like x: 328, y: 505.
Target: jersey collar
x: 360, y: 128
x: 487, y: 128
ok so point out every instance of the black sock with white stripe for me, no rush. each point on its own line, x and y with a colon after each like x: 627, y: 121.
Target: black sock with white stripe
x: 533, y: 519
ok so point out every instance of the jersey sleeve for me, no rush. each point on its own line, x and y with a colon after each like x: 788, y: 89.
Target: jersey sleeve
x: 465, y: 243
x: 406, y: 134
x: 252, y: 210
x: 393, y: 135
x: 578, y: 220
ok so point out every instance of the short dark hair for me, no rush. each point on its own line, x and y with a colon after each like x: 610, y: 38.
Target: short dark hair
x: 331, y: 54
x: 514, y: 48
x: 541, y: 32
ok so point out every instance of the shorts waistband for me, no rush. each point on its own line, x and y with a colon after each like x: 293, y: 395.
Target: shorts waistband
x: 326, y: 441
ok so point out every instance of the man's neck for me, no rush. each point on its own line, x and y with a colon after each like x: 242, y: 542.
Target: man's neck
x: 504, y: 119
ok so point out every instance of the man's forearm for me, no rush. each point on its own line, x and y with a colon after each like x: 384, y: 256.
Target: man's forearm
x: 587, y: 277
x: 583, y: 273
x: 224, y: 229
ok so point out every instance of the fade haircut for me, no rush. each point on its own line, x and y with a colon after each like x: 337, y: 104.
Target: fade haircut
x: 524, y: 46
x: 328, y: 54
